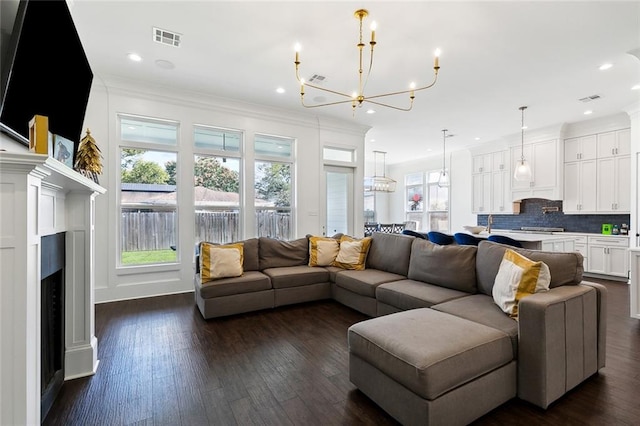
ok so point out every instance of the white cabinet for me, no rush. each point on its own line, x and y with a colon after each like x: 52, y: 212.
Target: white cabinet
x: 613, y: 185
x: 582, y: 148
x: 609, y: 256
x: 562, y: 245
x: 580, y: 187
x: 490, y: 182
x: 482, y: 193
x: 544, y: 161
x: 614, y: 143
x: 581, y: 245
x: 597, y: 173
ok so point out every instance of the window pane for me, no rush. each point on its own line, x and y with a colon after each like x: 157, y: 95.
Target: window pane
x: 432, y: 177
x: 336, y: 154
x: 273, y: 146
x: 414, y: 198
x: 148, y: 207
x: 273, y: 199
x: 273, y: 184
x: 218, y: 139
x: 438, y: 198
x: 413, y: 179
x: 139, y: 130
x: 439, y: 221
x: 217, y: 199
x: 369, y: 207
x: 415, y: 217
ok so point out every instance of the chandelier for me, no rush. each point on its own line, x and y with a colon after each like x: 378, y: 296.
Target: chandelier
x: 377, y: 183
x: 358, y: 97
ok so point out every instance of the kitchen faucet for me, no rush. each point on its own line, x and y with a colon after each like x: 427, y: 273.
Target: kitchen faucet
x: 489, y: 223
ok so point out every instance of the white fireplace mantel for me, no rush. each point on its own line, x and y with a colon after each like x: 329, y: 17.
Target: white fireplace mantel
x: 41, y: 196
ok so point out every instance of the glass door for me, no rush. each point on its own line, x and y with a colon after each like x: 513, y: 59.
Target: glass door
x: 339, y: 200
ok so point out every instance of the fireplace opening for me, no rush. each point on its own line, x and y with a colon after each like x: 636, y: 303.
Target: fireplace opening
x: 51, y: 320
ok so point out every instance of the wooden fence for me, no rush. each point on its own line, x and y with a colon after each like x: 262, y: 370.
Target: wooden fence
x: 157, y: 230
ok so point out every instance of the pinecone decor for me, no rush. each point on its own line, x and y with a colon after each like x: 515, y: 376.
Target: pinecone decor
x: 88, y: 158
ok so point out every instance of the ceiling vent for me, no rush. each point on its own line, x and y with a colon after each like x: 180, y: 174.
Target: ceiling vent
x: 168, y: 38
x: 589, y: 98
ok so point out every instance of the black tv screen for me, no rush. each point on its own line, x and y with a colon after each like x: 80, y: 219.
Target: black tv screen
x: 44, y: 69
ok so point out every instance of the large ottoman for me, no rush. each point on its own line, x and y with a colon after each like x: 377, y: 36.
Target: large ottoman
x: 428, y: 367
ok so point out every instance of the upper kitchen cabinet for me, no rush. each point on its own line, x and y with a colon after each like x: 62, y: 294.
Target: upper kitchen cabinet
x: 545, y: 162
x: 613, y: 144
x: 582, y: 148
x: 490, y: 182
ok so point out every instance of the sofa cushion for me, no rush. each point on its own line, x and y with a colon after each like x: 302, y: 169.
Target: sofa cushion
x: 249, y: 282
x: 518, y: 277
x: 565, y: 268
x: 452, y: 266
x: 481, y: 308
x: 365, y: 282
x: 251, y: 254
x: 295, y: 276
x: 390, y: 253
x: 410, y: 294
x: 429, y: 352
x: 220, y: 261
x: 352, y: 253
x: 277, y: 253
x: 322, y: 250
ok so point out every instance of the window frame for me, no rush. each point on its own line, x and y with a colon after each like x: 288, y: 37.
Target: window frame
x: 221, y: 154
x: 124, y: 269
x: 291, y: 160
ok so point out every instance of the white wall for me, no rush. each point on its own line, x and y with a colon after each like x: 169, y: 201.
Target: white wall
x: 113, y: 283
x: 459, y: 165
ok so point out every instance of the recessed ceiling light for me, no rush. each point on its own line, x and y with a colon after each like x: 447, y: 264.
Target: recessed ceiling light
x: 429, y: 149
x: 164, y: 64
x: 134, y: 57
x: 372, y: 140
x: 477, y: 139
x: 636, y: 87
x: 371, y: 111
x: 588, y: 112
x: 605, y: 67
x: 280, y: 90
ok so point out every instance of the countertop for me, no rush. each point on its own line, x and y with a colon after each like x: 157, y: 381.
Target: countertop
x: 524, y: 236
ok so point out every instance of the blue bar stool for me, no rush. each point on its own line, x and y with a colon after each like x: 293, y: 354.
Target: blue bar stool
x: 440, y: 238
x: 503, y: 239
x: 466, y: 239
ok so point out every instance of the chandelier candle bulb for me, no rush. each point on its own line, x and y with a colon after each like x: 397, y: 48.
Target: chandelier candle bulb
x: 373, y: 32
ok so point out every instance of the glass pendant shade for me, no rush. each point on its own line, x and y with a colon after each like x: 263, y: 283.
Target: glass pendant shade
x: 443, y: 181
x: 523, y: 171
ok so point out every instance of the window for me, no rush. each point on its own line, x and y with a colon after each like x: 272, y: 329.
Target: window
x: 369, y: 207
x: 273, y: 186
x: 438, y: 210
x: 414, y: 198
x: 148, y: 191
x: 430, y: 209
x: 217, y: 184
x: 343, y: 155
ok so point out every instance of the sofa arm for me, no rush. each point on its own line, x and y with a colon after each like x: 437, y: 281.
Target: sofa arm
x: 557, y: 341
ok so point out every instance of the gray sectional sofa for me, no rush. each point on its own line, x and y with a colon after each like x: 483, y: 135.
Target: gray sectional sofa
x: 438, y: 350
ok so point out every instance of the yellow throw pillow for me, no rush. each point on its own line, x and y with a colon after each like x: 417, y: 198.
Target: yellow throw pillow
x: 322, y: 251
x: 518, y: 277
x: 352, y: 253
x: 220, y: 261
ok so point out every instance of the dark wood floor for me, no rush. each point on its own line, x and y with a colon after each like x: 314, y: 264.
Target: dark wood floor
x: 161, y: 363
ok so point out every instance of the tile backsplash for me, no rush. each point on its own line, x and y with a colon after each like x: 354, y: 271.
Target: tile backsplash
x: 531, y: 214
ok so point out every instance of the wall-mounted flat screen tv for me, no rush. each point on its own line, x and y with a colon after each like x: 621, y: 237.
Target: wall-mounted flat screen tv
x: 43, y: 69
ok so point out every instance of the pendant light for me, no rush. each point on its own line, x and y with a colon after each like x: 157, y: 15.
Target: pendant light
x: 523, y: 168
x: 443, y: 180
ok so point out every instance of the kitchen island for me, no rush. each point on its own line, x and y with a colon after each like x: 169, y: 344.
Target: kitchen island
x: 535, y: 240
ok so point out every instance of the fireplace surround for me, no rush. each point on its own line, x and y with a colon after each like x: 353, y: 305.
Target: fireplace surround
x: 39, y: 196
